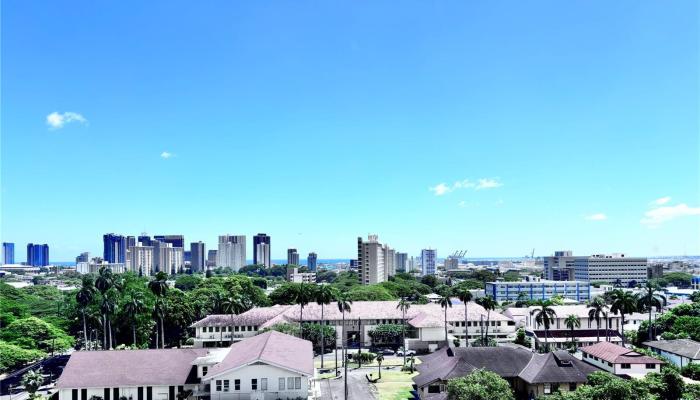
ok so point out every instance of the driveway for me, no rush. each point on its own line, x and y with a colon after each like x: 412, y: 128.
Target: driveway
x: 358, y: 387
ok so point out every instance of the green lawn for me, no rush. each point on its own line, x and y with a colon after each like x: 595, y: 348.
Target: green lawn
x: 394, y: 385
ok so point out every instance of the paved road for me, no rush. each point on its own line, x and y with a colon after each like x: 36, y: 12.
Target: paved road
x: 358, y: 387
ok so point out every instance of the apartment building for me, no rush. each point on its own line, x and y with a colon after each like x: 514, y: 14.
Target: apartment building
x: 370, y: 260
x: 539, y: 290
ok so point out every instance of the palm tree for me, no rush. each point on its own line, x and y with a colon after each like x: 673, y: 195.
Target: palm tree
x: 380, y: 358
x: 572, y: 322
x: 596, y: 309
x: 103, y: 283
x: 544, y: 315
x: 411, y: 362
x: 231, y: 305
x: 445, y: 302
x: 625, y: 303
x: 403, y: 305
x: 302, y: 296
x: 32, y: 381
x: 324, y: 295
x: 84, y: 298
x: 344, y: 302
x: 650, y: 300
x: 107, y: 308
x: 489, y: 304
x: 133, y: 307
x: 159, y: 287
x: 465, y: 296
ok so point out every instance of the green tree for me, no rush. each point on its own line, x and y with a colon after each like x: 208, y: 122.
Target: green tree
x: 104, y: 282
x: 84, y: 298
x: 132, y: 309
x: 597, y: 309
x: 323, y: 296
x: 370, y: 293
x: 624, y: 303
x: 479, y: 385
x: 544, y: 315
x: 14, y: 357
x: 379, y: 358
x: 187, y: 283
x: 572, y: 322
x: 32, y: 381
x: 489, y: 304
x: 430, y: 280
x: 446, y: 302
x: 33, y: 333
x: 465, y: 296
x: 159, y: 287
x: 403, y: 305
x: 650, y: 300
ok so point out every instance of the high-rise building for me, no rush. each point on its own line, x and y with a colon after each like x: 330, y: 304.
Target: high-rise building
x: 559, y: 267
x: 261, y: 250
x: 611, y: 268
x: 451, y: 262
x: 389, y: 262
x: 197, y: 256
x: 311, y: 262
x: 401, y: 262
x: 428, y: 258
x: 8, y: 253
x: 292, y: 257
x: 232, y: 252
x: 37, y: 255
x: 141, y: 260
x: 211, y: 258
x: 114, y: 248
x: 130, y: 241
x: 144, y: 239
x: 370, y: 260
x: 83, y: 257
x: 167, y: 258
x: 175, y: 240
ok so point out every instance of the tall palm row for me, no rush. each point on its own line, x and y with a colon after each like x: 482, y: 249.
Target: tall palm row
x: 103, y: 283
x: 488, y: 303
x: 159, y: 288
x: 465, y: 296
x: 572, y: 322
x: 323, y: 296
x: 544, y: 315
x: 403, y: 305
x: 649, y: 300
x: 625, y: 303
x: 597, y: 309
x: 446, y: 302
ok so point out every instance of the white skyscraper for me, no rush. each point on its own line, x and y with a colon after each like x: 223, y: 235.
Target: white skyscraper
x: 370, y: 260
x: 140, y: 259
x: 262, y: 254
x: 389, y: 262
x: 231, y: 252
x: 428, y: 258
x: 167, y: 258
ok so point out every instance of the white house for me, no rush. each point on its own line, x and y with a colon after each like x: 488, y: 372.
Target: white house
x: 268, y: 366
x: 679, y: 351
x: 619, y: 360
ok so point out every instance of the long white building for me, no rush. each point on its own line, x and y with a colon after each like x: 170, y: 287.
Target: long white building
x: 231, y: 252
x: 609, y: 268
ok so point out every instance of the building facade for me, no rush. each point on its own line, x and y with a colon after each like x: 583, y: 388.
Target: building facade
x: 428, y: 259
x: 8, y: 253
x: 198, y: 256
x: 559, y: 267
x: 620, y: 360
x: 115, y: 247
x: 370, y: 260
x: 292, y: 257
x: 612, y: 268
x: 140, y: 260
x: 401, y: 262
x: 261, y: 250
x: 389, y: 262
x: 232, y: 252
x: 174, y: 240
x: 311, y: 262
x: 37, y: 255
x: 167, y: 258
x: 539, y: 290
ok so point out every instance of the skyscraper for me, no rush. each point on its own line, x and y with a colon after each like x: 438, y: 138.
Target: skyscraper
x: 401, y: 262
x: 114, y: 248
x: 232, y: 252
x: 311, y: 261
x: 141, y: 259
x: 83, y: 257
x: 428, y: 258
x: 261, y: 250
x: 211, y: 258
x: 8, y: 253
x: 130, y: 241
x: 292, y: 257
x: 167, y: 258
x: 144, y: 239
x: 389, y: 262
x: 197, y: 256
x: 370, y: 260
x: 175, y: 240
x: 37, y: 255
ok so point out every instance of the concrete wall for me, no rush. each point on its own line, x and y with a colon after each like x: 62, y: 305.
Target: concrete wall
x: 130, y: 392
x: 260, y: 371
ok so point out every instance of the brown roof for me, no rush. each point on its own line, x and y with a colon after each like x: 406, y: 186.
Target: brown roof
x: 617, y: 354
x: 110, y: 368
x: 272, y: 348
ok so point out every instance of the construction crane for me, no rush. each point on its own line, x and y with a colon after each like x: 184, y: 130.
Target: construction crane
x: 459, y: 253
x: 532, y: 255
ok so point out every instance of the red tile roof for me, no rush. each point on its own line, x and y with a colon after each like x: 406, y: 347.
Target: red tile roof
x: 617, y: 354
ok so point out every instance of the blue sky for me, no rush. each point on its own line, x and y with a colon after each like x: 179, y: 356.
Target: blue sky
x: 496, y: 127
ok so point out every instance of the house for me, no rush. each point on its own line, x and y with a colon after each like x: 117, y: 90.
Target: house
x: 561, y: 339
x: 425, y: 323
x: 268, y: 366
x: 679, y: 351
x: 620, y: 360
x: 529, y: 374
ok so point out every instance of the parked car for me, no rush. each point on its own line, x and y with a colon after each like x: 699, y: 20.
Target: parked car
x: 387, y: 352
x: 400, y: 352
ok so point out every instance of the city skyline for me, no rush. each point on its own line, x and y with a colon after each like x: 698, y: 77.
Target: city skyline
x: 428, y: 125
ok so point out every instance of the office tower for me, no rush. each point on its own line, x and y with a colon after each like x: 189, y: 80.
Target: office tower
x: 175, y: 240
x: 428, y: 258
x: 83, y: 257
x: 141, y: 260
x: 167, y: 258
x: 198, y: 256
x: 232, y: 252
x: 389, y: 262
x: 292, y: 257
x: 37, y: 255
x: 114, y: 248
x: 370, y: 260
x: 401, y: 262
x: 412, y: 264
x: 451, y: 262
x: 611, y: 268
x: 130, y: 242
x: 353, y: 265
x: 559, y: 267
x: 144, y: 239
x: 261, y: 250
x: 187, y: 257
x: 8, y: 253
x: 311, y: 261
x: 211, y: 258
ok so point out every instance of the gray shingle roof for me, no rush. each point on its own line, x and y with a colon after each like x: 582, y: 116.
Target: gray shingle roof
x: 683, y: 347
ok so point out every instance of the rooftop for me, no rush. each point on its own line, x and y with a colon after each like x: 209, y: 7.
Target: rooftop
x: 682, y: 347
x: 617, y: 354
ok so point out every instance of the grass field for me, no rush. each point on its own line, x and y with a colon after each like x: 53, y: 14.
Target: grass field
x: 394, y: 385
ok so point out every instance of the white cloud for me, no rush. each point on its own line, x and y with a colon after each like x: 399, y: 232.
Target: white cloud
x: 661, y: 201
x: 57, y: 120
x: 659, y: 215
x: 166, y: 155
x: 483, y: 183
x: 597, y: 217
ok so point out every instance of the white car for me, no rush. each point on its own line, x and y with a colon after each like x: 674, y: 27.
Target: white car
x: 408, y: 353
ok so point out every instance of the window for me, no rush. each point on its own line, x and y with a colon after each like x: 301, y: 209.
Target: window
x: 204, y: 370
x: 297, y: 383
x: 74, y: 394
x: 651, y: 366
x: 254, y: 384
x: 625, y: 366
x: 280, y: 386
x: 434, y: 389
x: 290, y: 383
x: 263, y: 384
x: 572, y: 386
x: 547, y: 388
x: 218, y: 385
x: 226, y: 386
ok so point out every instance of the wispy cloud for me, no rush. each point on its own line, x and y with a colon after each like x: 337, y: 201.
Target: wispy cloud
x: 166, y: 155
x: 597, y: 217
x: 57, y: 120
x: 658, y: 215
x: 661, y: 201
x: 484, y: 183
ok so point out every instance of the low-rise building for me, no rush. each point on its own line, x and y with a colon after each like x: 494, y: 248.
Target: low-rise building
x: 539, y: 290
x: 293, y: 275
x: 620, y: 360
x: 529, y: 374
x: 681, y: 352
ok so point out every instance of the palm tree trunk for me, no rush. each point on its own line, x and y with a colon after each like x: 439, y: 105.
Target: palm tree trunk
x: 650, y: 307
x: 323, y: 347
x: 597, y: 325
x: 622, y: 320
x: 380, y: 370
x: 403, y: 336
x: 133, y: 330
x: 446, y: 342
x: 162, y: 334
x: 301, y: 322
x: 85, y: 329
x: 104, y: 331
x: 546, y: 343
x: 111, y: 336
x: 345, y: 359
x: 466, y: 326
x: 488, y: 318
